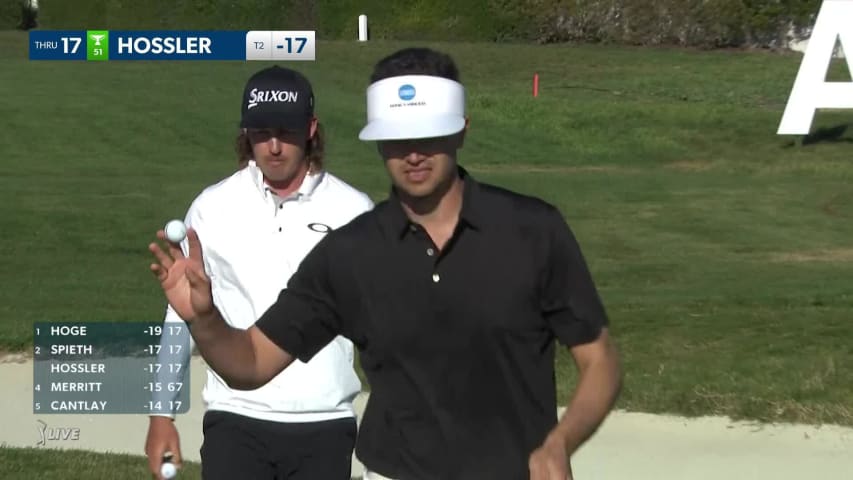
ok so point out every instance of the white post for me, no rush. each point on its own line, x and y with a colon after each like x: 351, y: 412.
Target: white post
x: 362, y: 28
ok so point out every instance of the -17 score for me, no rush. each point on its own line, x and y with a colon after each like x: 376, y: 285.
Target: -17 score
x: 155, y: 349
x: 156, y: 367
x: 293, y: 43
x: 281, y: 45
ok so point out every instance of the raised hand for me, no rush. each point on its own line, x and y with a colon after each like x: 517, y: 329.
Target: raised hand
x: 183, y: 278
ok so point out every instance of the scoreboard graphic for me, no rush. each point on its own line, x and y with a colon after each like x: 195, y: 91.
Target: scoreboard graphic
x: 110, y: 45
x: 111, y: 367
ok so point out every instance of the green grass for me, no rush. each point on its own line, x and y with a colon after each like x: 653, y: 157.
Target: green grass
x: 29, y: 463
x: 722, y: 250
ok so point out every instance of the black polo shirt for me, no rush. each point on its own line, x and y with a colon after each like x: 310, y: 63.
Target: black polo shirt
x: 457, y: 345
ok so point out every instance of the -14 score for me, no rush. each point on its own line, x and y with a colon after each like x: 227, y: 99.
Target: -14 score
x: 158, y: 405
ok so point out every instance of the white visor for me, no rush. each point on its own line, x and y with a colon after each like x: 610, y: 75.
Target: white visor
x: 414, y: 106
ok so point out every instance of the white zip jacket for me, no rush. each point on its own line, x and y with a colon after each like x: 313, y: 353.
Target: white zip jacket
x: 252, y: 242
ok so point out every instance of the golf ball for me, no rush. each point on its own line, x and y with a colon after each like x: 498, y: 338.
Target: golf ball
x: 176, y: 231
x: 168, y: 470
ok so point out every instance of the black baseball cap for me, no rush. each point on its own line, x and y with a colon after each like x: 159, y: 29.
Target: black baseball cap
x: 277, y: 97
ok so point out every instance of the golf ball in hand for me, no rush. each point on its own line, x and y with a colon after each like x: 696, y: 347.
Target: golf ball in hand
x: 168, y: 470
x: 176, y: 231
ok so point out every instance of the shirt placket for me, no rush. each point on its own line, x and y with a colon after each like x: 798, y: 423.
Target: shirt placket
x: 282, y: 210
x: 426, y: 247
x: 433, y: 269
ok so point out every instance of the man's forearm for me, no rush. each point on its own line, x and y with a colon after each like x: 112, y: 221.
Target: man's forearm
x: 598, y: 387
x: 227, y: 350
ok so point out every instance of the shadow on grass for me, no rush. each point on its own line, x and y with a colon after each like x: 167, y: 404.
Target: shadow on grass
x: 828, y: 135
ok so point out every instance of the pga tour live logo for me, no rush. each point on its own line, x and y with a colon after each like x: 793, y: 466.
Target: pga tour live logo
x: 48, y: 434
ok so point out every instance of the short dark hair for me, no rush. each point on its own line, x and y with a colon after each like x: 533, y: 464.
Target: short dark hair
x: 415, y: 61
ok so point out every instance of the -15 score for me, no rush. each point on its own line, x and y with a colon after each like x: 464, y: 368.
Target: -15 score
x: 170, y: 386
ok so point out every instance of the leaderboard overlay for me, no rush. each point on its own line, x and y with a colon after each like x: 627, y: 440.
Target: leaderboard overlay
x: 104, y: 45
x: 111, y: 367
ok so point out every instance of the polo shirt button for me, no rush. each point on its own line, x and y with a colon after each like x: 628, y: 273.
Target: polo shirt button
x: 430, y: 252
x: 435, y: 278
x: 413, y: 228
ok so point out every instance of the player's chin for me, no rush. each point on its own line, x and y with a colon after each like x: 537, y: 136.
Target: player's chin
x: 278, y: 163
x: 279, y: 169
x: 417, y: 189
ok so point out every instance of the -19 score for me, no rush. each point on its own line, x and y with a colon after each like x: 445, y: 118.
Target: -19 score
x: 157, y: 330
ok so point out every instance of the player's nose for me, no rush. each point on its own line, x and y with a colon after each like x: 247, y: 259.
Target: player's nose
x: 414, y: 157
x: 274, y: 146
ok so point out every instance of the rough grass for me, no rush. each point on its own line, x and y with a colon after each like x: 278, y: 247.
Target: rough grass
x: 720, y: 249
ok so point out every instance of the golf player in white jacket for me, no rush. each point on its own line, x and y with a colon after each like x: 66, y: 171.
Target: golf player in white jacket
x: 257, y: 225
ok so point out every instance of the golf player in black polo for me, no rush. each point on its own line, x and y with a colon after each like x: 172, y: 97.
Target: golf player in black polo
x: 455, y: 292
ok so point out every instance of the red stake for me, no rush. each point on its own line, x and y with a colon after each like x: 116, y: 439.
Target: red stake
x: 535, y: 85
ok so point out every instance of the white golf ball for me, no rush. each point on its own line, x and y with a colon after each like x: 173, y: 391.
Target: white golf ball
x: 168, y: 470
x: 176, y: 231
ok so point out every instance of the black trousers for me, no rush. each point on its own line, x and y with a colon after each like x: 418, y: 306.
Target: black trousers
x: 239, y: 447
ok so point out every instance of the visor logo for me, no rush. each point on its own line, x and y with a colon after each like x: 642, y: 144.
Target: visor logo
x: 406, y: 92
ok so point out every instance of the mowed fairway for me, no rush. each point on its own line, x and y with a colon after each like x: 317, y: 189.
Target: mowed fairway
x: 21, y: 464
x: 723, y: 252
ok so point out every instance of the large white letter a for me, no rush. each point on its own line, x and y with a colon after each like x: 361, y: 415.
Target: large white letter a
x: 811, y: 91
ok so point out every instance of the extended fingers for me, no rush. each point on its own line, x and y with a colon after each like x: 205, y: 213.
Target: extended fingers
x: 194, y: 245
x: 159, y: 272
x: 197, y: 276
x: 174, y: 248
x: 165, y: 260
